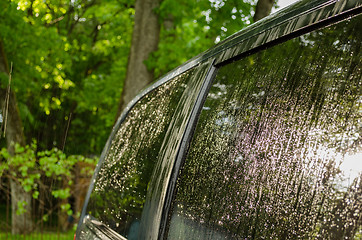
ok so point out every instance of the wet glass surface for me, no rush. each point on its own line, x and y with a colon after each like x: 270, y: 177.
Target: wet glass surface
x: 152, y: 214
x: 120, y: 187
x: 277, y: 152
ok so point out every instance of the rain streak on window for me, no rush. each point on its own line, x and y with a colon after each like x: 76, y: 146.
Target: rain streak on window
x: 277, y: 151
x: 121, y: 184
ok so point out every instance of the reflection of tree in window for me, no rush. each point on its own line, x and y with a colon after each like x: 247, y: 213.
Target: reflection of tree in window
x: 280, y: 173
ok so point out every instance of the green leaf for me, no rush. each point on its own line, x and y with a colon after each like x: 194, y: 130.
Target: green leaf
x: 35, y: 194
x: 45, y: 217
x: 21, y: 207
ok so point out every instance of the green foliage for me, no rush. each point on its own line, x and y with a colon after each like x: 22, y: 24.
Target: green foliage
x: 29, y: 168
x: 66, y: 208
x: 69, y: 60
x: 21, y: 207
x: 190, y: 27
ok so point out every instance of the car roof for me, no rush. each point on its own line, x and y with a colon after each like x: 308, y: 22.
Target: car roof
x: 302, y: 16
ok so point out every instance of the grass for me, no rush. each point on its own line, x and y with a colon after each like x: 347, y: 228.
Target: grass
x: 38, y: 236
x: 48, y: 234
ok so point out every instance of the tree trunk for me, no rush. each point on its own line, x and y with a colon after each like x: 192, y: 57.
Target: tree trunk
x: 20, y: 224
x: 145, y: 39
x: 14, y: 134
x: 263, y: 9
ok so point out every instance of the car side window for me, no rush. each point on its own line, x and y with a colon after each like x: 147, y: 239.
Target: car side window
x: 121, y: 184
x: 277, y: 150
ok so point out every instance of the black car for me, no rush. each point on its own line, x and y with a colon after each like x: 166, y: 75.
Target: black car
x: 259, y: 137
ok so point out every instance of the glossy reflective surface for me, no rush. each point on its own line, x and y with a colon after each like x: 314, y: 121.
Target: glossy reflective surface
x: 92, y: 229
x: 157, y: 191
x: 277, y: 152
x: 121, y: 184
x: 302, y: 15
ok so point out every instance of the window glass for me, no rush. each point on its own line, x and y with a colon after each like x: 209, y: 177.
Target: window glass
x: 121, y: 184
x: 277, y: 150
x: 160, y: 180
